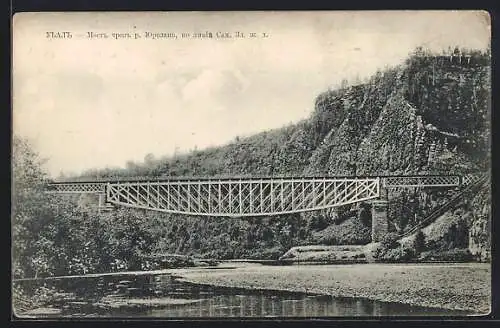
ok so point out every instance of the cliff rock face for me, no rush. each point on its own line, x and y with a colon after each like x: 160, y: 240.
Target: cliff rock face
x: 432, y: 119
x: 390, y: 146
x: 357, y: 109
x: 480, y: 226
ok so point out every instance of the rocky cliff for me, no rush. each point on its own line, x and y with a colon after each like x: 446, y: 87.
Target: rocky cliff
x: 480, y: 225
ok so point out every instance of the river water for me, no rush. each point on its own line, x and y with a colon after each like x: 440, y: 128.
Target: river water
x: 164, y: 296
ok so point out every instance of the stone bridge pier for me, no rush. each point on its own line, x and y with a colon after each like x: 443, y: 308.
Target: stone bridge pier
x: 380, y: 223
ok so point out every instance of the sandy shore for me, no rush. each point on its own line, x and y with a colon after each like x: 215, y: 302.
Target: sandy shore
x: 451, y: 286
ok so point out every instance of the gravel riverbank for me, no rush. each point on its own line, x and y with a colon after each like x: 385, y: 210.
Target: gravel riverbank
x: 450, y: 286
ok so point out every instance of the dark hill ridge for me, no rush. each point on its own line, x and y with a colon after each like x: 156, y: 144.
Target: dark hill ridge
x: 429, y: 115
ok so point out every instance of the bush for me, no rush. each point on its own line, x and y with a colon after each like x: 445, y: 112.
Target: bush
x: 419, y: 242
x: 318, y: 223
x: 390, y: 250
x: 270, y: 253
x: 377, y: 252
x: 394, y: 255
x: 399, y: 254
x: 365, y: 214
x: 176, y: 262
x: 21, y: 301
x: 390, y: 241
x: 455, y: 255
x: 328, y: 240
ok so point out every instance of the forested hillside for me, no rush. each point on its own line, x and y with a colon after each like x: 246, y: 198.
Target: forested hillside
x: 428, y: 115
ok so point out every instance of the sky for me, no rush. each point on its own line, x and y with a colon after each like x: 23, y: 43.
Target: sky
x: 94, y: 103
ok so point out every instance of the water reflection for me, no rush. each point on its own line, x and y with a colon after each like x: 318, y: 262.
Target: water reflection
x: 166, y: 297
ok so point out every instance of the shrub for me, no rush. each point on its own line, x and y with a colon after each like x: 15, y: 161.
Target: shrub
x: 455, y: 255
x: 399, y: 254
x: 390, y: 241
x: 390, y: 250
x: 419, y: 242
x: 394, y: 255
x: 365, y: 214
x: 318, y: 223
x: 377, y: 252
x: 270, y: 253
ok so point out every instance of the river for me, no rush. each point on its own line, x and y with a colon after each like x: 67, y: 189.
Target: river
x: 166, y: 295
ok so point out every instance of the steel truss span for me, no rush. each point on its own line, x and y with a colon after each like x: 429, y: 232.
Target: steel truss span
x: 242, y: 197
x: 249, y: 197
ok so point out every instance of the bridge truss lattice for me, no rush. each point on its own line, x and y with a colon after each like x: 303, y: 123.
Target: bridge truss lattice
x: 249, y: 197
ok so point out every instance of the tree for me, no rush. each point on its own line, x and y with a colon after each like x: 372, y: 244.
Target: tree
x: 149, y: 159
x: 365, y: 214
x: 28, y: 202
x: 419, y: 242
x: 461, y: 234
x: 344, y: 84
x: 390, y: 241
x: 51, y: 236
x: 318, y: 222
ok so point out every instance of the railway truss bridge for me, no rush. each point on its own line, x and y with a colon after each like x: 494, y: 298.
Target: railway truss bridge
x: 254, y: 197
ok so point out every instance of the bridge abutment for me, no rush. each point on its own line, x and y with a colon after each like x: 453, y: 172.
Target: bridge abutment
x: 102, y: 201
x: 380, y: 225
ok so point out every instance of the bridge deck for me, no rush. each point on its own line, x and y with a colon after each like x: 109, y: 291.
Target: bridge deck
x: 237, y: 178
